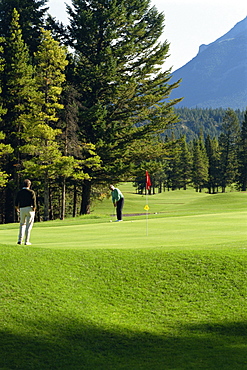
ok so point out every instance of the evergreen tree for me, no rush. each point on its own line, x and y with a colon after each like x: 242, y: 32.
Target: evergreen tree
x: 4, y: 150
x: 212, y: 149
x: 242, y: 156
x: 199, y: 165
x: 173, y: 169
x: 41, y: 133
x: 19, y: 91
x: 185, y: 163
x: 118, y: 74
x: 149, y: 156
x: 50, y: 75
x: 32, y: 13
x: 18, y: 97
x: 228, y: 141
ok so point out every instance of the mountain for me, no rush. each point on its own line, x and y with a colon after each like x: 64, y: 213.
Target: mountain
x: 217, y: 76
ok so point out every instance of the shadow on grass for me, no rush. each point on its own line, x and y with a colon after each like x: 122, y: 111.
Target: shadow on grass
x: 74, y: 347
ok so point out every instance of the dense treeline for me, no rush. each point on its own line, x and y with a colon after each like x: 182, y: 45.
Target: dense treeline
x: 196, y: 120
x: 79, y: 104
x: 88, y: 104
x: 207, y: 161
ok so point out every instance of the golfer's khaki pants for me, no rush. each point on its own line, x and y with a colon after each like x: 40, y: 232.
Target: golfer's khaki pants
x: 26, y: 223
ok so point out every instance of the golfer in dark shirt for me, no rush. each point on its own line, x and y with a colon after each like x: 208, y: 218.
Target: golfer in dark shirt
x: 25, y: 203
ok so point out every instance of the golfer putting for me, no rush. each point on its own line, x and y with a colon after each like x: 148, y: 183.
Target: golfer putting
x: 117, y: 200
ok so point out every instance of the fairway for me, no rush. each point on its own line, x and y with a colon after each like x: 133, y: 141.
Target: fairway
x: 163, y: 291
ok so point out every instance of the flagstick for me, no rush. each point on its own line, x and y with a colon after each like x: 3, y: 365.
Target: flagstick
x: 148, y: 184
x: 147, y: 212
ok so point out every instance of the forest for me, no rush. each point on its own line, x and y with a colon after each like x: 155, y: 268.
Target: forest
x: 212, y: 159
x: 87, y: 104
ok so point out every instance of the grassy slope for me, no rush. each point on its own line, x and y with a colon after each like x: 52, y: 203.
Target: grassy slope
x: 91, y: 294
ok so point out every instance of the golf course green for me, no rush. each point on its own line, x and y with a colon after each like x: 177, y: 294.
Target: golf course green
x: 164, y: 289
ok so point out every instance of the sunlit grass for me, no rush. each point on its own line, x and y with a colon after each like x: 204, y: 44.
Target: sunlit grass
x: 164, y: 292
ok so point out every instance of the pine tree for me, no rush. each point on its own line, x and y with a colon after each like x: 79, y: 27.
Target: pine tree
x: 50, y: 75
x: 242, y: 156
x: 150, y: 156
x: 212, y: 149
x: 173, y: 169
x: 19, y: 89
x: 185, y: 161
x: 118, y: 73
x: 199, y: 165
x: 228, y: 141
x: 41, y: 133
x: 18, y: 96
x: 32, y: 14
x: 4, y: 149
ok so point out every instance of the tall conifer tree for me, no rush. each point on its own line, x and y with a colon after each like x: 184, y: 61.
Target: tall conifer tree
x: 242, y: 156
x: 32, y: 13
x: 174, y: 170
x: 228, y: 140
x: 199, y: 165
x: 118, y: 73
x: 41, y: 134
x: 185, y: 163
x: 4, y: 149
x: 212, y: 149
x: 18, y: 96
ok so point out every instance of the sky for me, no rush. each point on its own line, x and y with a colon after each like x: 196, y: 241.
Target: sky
x: 188, y: 23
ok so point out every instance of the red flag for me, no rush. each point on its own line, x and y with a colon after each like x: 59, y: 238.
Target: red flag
x: 148, y: 181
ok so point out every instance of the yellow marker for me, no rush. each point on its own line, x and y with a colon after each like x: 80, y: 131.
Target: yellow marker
x: 146, y: 207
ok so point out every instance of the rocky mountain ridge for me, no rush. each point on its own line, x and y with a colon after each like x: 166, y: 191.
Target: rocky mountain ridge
x: 217, y: 76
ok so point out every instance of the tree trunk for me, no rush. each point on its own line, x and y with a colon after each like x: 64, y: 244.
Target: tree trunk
x: 37, y: 213
x: 63, y: 200
x: 86, y: 192
x: 74, y: 201
x: 46, y: 198
x: 51, y: 213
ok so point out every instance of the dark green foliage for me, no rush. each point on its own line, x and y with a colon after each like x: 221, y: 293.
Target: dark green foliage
x: 199, y: 165
x: 18, y: 95
x: 213, y: 154
x: 194, y: 121
x: 228, y: 141
x: 242, y: 156
x: 116, y: 108
x: 173, y: 167
x: 118, y: 75
x: 32, y: 13
x: 18, y: 82
x: 185, y: 163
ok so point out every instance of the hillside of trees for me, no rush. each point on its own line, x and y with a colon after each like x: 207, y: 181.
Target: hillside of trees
x: 194, y: 121
x: 89, y: 104
x: 78, y: 104
x: 212, y: 159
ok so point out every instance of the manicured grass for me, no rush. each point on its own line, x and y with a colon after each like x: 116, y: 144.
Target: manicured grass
x: 164, y: 293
